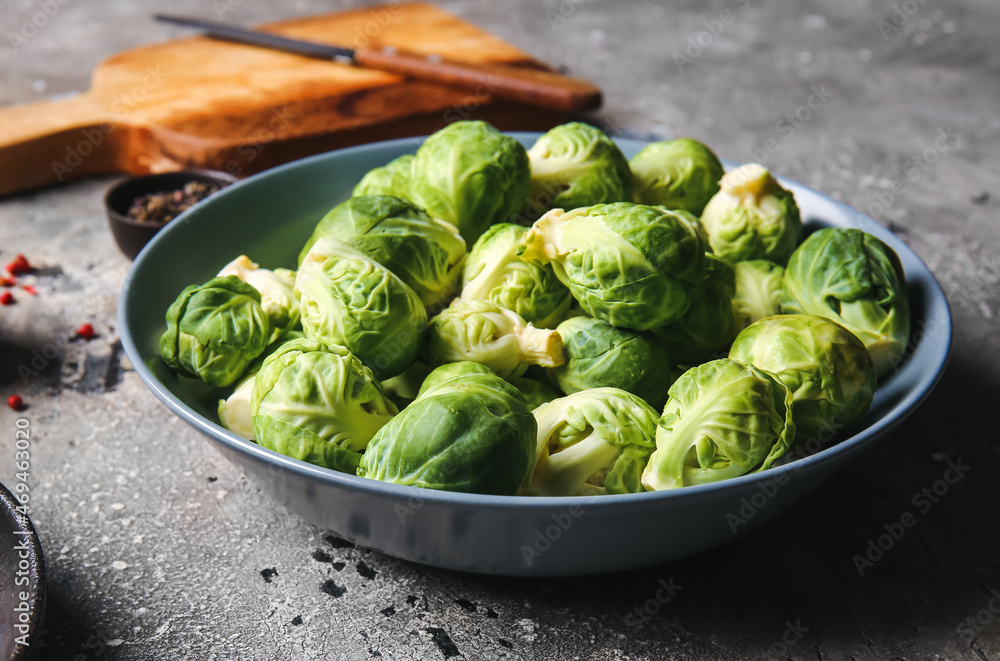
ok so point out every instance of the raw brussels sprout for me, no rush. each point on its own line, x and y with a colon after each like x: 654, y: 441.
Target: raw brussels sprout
x: 391, y: 179
x: 695, y: 223
x: 758, y: 290
x: 678, y: 174
x: 483, y: 332
x: 317, y: 403
x: 592, y: 442
x: 723, y: 419
x: 600, y: 355
x: 535, y: 392
x: 471, y: 175
x: 631, y: 265
x: 494, y: 272
x: 752, y: 217
x: 826, y: 368
x: 468, y: 430
x: 425, y: 253
x: 349, y: 299
x: 709, y: 325
x: 236, y: 411
x: 451, y: 371
x: 576, y: 165
x: 215, y: 330
x: 277, y: 292
x: 853, y: 278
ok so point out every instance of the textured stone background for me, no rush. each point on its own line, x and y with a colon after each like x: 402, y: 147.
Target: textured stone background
x: 158, y: 548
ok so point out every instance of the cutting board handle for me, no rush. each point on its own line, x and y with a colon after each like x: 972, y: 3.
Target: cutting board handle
x: 48, y: 143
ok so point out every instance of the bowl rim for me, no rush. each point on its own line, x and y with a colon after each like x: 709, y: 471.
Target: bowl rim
x: 28, y: 534
x: 218, y: 176
x: 914, y: 395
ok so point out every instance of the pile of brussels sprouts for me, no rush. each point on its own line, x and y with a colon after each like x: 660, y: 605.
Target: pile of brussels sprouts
x: 555, y: 321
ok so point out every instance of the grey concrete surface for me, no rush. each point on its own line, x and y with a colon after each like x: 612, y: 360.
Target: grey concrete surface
x: 158, y: 548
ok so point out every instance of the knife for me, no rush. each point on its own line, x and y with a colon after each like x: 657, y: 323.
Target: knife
x: 523, y: 85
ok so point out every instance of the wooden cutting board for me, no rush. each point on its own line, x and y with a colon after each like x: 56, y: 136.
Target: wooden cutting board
x: 204, y: 103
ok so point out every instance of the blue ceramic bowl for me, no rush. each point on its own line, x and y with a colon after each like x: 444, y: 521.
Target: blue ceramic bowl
x: 269, y: 216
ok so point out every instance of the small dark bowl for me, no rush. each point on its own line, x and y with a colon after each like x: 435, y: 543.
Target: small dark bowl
x: 20, y: 559
x: 131, y: 235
